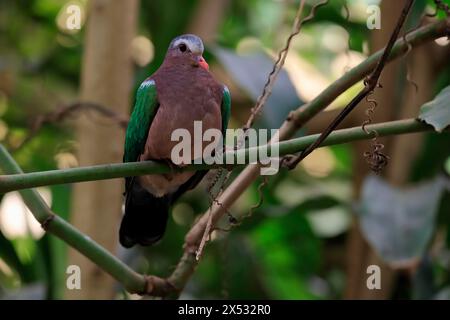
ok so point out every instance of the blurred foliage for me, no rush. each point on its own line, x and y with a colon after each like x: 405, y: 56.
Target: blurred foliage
x: 287, y: 249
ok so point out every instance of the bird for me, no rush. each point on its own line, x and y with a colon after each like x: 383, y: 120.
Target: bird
x: 180, y: 92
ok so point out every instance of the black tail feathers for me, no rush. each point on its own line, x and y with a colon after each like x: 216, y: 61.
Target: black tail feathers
x: 145, y: 218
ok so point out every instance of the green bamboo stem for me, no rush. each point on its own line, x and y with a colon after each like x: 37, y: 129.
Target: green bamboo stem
x: 19, y: 181
x: 131, y: 280
x: 306, y: 112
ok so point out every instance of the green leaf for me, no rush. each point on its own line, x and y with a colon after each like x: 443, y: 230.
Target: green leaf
x: 399, y: 223
x: 437, y: 111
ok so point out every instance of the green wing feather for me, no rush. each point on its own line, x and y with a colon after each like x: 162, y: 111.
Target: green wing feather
x: 225, y: 109
x: 144, y: 111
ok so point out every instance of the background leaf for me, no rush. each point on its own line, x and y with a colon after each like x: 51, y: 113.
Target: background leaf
x: 250, y: 72
x: 398, y: 223
x: 437, y: 111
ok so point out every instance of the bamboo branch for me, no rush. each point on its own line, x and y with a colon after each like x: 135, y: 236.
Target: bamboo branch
x: 131, y: 280
x: 21, y: 180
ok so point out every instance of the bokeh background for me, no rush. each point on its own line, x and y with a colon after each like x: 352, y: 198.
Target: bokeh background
x: 320, y: 226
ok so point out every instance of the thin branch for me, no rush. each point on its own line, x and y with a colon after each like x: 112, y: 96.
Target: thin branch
x: 279, y: 63
x: 260, y: 102
x: 303, y: 114
x: 370, y: 84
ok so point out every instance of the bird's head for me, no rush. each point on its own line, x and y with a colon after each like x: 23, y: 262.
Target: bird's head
x: 188, y: 47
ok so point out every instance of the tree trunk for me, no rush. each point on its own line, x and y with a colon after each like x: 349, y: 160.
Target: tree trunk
x: 106, y: 79
x: 207, y: 18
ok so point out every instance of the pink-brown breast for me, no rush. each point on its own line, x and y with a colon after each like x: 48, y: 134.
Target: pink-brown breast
x: 185, y: 95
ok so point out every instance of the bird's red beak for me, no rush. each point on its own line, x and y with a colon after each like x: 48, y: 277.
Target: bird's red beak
x: 202, y: 63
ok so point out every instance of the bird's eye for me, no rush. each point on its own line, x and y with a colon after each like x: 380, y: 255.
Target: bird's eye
x: 182, y: 47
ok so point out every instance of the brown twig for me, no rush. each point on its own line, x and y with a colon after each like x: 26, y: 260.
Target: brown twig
x: 260, y: 102
x: 279, y: 63
x: 370, y: 84
x: 260, y: 202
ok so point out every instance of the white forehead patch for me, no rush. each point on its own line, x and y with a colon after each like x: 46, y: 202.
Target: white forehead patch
x: 194, y: 43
